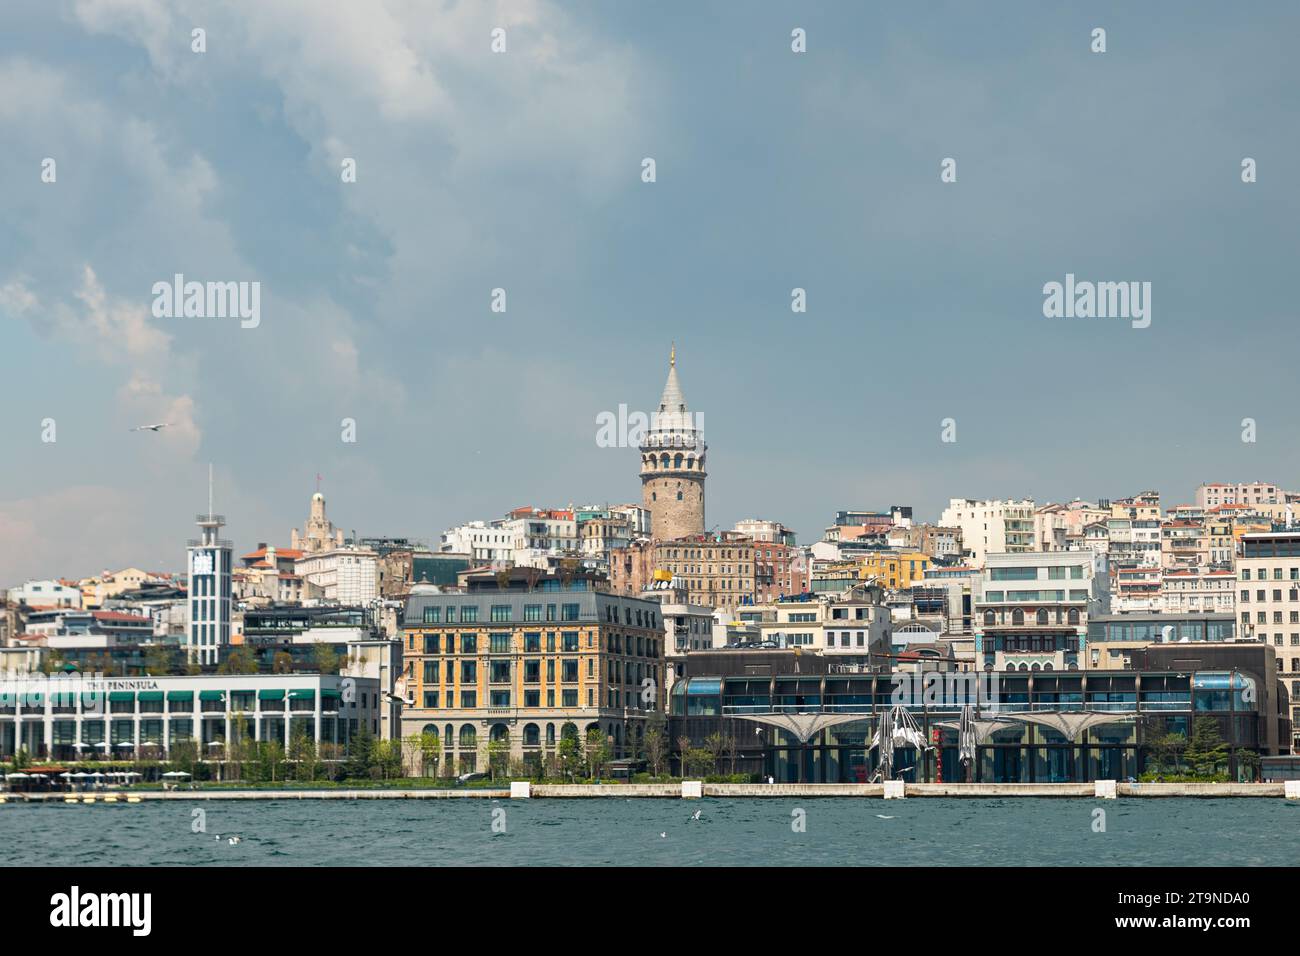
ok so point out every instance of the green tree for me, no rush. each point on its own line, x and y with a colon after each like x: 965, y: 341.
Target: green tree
x: 427, y: 746
x: 302, y: 751
x: 282, y: 663
x: 569, y: 752
x: 1206, y: 752
x: 656, y: 744
x: 498, y: 754
x: 240, y: 660
x: 325, y: 657
x: 598, y: 752
x: 357, y: 763
x: 270, y: 759
x: 157, y: 660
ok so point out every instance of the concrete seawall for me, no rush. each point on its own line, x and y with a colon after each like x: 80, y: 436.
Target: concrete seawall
x: 696, y: 789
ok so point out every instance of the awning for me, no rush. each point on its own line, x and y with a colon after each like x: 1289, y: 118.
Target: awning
x: 120, y: 695
x: 302, y: 694
x: 150, y: 695
x: 270, y: 695
x: 212, y: 695
x: 326, y: 692
x: 182, y: 696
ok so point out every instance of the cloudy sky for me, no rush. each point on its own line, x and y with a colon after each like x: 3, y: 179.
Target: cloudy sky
x: 522, y: 171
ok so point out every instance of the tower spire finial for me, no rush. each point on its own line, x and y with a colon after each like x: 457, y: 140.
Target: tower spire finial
x: 209, y: 489
x: 672, y: 356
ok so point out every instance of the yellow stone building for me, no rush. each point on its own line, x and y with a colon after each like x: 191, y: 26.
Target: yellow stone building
x: 895, y: 569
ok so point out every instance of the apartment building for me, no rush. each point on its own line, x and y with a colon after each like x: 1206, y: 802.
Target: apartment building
x: 1032, y: 610
x: 524, y: 658
x: 1268, y: 598
x: 991, y: 527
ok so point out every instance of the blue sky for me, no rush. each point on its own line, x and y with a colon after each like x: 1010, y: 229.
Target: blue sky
x: 522, y: 171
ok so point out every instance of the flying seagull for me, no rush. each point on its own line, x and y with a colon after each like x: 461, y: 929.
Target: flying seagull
x: 151, y: 428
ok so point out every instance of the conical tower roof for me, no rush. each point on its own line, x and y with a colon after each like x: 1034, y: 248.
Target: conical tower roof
x: 673, y: 425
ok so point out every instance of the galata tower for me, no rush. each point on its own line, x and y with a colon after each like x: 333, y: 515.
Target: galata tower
x: 672, y: 465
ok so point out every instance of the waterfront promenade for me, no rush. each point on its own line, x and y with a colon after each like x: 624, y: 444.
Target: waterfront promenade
x: 696, y: 789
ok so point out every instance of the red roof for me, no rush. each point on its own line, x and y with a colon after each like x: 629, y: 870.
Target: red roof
x: 291, y: 553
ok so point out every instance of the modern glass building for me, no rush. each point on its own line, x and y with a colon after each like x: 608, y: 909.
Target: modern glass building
x: 69, y: 718
x: 1038, y: 726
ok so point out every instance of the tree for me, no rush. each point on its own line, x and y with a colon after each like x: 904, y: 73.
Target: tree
x: 282, y: 663
x: 270, y: 758
x: 428, y: 747
x: 302, y: 751
x: 239, y: 661
x: 715, y: 744
x: 1206, y: 752
x: 498, y: 754
x: 570, y: 750
x: 157, y: 660
x: 1167, y: 751
x: 325, y: 657
x: 656, y: 744
x: 683, y: 746
x: 359, y: 754
x: 598, y: 752
x: 698, y: 760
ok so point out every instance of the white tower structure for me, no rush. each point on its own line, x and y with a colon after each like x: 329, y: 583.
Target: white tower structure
x: 209, y: 566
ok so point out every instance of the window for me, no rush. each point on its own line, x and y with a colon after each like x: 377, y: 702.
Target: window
x: 532, y: 612
x: 533, y: 643
x: 468, y: 614
x: 570, y: 670
x: 468, y: 698
x: 430, y: 698
x: 570, y: 612
x: 468, y: 672
x: 500, y: 613
x: 499, y: 643
x: 431, y: 615
x: 431, y: 672
x: 570, y: 642
x: 469, y: 643
x: 431, y: 643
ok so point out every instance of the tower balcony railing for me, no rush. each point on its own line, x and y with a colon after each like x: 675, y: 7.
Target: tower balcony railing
x: 215, y: 543
x: 210, y: 519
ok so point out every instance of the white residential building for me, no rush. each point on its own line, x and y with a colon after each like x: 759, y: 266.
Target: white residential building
x: 345, y: 575
x: 45, y: 594
x: 991, y: 527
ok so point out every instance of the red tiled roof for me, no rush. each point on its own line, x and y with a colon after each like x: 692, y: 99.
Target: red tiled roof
x: 292, y: 553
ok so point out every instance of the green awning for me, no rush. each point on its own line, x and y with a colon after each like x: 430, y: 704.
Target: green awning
x: 147, y: 695
x: 302, y: 694
x: 270, y: 695
x: 182, y: 696
x: 118, y: 695
x: 326, y: 692
x: 212, y: 695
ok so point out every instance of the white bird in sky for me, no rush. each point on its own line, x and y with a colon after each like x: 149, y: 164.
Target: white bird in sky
x: 151, y: 428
